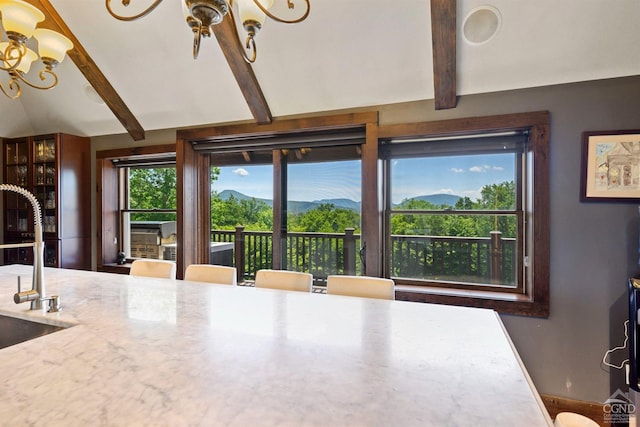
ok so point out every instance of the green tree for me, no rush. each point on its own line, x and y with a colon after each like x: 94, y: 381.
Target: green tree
x: 325, y: 218
x: 152, y: 188
x: 417, y: 224
x: 252, y: 213
x: 500, y: 196
x: 464, y: 203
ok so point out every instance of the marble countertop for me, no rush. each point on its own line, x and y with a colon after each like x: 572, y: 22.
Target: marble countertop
x: 173, y: 353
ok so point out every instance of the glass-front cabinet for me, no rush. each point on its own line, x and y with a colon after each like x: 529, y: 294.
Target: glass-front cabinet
x: 55, y: 168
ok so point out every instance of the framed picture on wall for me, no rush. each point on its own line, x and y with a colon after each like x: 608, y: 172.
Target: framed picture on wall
x: 611, y: 166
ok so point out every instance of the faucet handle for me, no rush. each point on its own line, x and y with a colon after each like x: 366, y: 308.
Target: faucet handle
x: 54, y: 304
x: 25, y: 296
x: 20, y: 297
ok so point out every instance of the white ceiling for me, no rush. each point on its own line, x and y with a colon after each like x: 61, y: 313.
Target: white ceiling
x: 347, y: 54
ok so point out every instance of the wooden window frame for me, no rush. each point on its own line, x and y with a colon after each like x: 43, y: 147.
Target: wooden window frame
x: 534, y: 301
x: 108, y: 200
x: 194, y: 196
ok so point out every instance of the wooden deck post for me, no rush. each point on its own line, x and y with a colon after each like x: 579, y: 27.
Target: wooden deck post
x: 349, y: 255
x: 496, y: 256
x: 239, y: 252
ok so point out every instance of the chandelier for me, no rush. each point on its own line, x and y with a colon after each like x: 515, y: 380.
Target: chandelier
x: 19, y: 20
x: 201, y: 15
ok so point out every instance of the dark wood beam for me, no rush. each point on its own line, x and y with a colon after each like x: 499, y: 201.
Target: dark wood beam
x: 227, y: 37
x: 91, y: 72
x: 443, y: 38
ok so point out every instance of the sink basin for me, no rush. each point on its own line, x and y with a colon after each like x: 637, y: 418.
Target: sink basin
x: 14, y: 331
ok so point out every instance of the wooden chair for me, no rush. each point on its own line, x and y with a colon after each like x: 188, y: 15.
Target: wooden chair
x: 361, y: 286
x: 284, y: 280
x: 211, y: 274
x: 153, y: 268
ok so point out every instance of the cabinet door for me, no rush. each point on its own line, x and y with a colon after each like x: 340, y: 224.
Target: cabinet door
x: 51, y: 253
x: 18, y: 217
x: 45, y: 182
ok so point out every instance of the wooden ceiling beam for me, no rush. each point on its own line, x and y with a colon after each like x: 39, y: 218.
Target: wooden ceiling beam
x: 443, y: 38
x: 91, y: 72
x: 227, y: 36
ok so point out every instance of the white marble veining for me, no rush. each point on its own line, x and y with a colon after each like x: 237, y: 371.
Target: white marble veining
x: 171, y: 353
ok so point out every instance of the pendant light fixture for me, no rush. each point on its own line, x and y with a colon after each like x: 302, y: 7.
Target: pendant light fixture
x: 201, y: 15
x: 19, y: 21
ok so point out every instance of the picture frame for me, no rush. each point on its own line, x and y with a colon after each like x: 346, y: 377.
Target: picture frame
x: 611, y: 166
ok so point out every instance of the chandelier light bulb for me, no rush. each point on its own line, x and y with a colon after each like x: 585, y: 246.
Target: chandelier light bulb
x: 52, y: 45
x: 249, y: 11
x: 20, y: 17
x: 19, y: 21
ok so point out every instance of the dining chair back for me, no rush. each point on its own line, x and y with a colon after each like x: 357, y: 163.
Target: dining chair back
x: 153, y: 268
x: 361, y: 286
x: 219, y: 274
x: 284, y: 280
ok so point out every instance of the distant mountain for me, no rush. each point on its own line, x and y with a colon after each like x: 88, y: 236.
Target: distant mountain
x: 340, y: 203
x: 301, y: 206
x: 439, y: 199
x: 226, y: 194
x: 294, y: 206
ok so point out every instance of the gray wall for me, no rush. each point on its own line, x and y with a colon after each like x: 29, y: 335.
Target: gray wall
x: 594, y: 246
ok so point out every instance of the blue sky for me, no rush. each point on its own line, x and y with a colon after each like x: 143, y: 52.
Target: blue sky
x: 461, y: 176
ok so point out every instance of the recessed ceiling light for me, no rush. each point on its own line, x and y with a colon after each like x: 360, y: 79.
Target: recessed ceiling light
x: 481, y: 24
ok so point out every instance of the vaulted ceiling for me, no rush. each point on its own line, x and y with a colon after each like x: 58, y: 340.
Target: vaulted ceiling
x: 347, y: 54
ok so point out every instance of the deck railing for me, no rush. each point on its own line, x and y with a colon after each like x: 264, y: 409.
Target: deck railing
x: 476, y: 259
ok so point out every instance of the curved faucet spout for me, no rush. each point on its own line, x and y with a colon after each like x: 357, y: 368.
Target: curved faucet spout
x: 38, y: 244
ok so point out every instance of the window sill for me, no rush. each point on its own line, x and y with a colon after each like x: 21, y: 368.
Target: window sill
x: 502, y: 302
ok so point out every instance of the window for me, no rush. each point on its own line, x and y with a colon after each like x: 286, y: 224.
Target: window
x: 148, y: 212
x: 241, y: 205
x: 323, y: 214
x: 455, y: 215
x: 313, y: 199
x: 466, y: 212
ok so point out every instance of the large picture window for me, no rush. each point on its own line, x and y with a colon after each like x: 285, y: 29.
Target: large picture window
x: 466, y: 211
x: 318, y: 207
x: 455, y: 214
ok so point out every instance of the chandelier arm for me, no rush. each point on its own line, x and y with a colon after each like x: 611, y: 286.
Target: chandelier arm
x: 197, y: 37
x: 8, y: 58
x: 250, y: 45
x: 291, y: 5
x: 12, y: 84
x: 43, y: 76
x: 133, y: 17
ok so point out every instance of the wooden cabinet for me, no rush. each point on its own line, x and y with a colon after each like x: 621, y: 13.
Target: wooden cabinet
x: 56, y: 169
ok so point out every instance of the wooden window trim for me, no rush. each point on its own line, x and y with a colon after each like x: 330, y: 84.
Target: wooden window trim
x: 107, y: 201
x: 189, y: 165
x: 535, y: 300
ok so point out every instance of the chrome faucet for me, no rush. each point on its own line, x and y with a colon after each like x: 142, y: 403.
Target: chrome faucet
x: 37, y: 293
